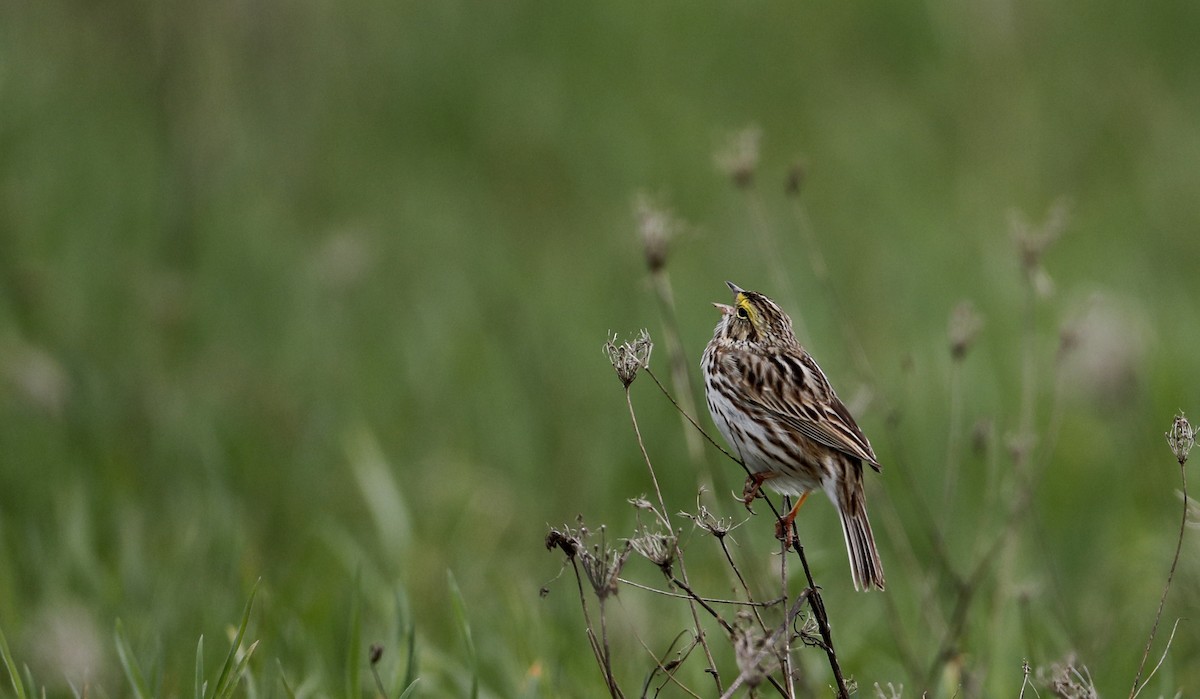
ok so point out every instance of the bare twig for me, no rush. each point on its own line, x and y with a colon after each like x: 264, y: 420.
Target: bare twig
x: 1181, y: 438
x: 666, y: 521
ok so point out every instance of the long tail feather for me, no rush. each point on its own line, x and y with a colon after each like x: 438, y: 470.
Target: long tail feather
x: 860, y: 542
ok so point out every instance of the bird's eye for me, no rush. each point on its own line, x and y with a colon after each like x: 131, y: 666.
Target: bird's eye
x: 741, y: 313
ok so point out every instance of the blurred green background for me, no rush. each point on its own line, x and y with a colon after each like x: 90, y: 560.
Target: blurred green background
x: 315, y: 292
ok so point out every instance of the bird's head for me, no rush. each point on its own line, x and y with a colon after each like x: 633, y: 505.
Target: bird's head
x: 754, y: 318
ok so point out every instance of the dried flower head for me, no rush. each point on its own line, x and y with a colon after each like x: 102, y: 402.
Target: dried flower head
x: 656, y: 547
x: 657, y: 227
x: 1181, y: 438
x: 965, y: 324
x: 569, y: 541
x: 717, y: 526
x: 739, y: 157
x: 375, y: 653
x: 602, y: 566
x: 756, y: 653
x: 629, y: 356
x: 1067, y: 681
x: 1033, y: 240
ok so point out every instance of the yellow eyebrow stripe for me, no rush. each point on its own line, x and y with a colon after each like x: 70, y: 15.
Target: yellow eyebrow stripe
x: 743, y: 302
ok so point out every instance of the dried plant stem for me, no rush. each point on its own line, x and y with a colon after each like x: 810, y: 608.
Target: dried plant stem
x: 818, y: 607
x: 954, y: 438
x: 709, y: 600
x: 1166, y: 588
x: 661, y: 513
x: 689, y: 418
x: 664, y: 517
x: 600, y: 651
x: 607, y: 653
x: 746, y: 588
x: 668, y: 671
x: 783, y: 627
x: 785, y: 660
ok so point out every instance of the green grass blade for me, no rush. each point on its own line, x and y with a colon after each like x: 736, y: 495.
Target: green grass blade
x: 11, y: 665
x: 287, y: 688
x: 409, y: 639
x: 238, y: 672
x: 223, y: 679
x: 129, y: 663
x: 410, y: 674
x: 198, y: 693
x: 408, y: 691
x: 354, y: 650
x: 464, y: 625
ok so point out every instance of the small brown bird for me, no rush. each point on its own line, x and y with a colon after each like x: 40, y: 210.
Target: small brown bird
x: 777, y: 410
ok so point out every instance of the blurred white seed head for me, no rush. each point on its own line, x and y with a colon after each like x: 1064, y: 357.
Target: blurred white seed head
x: 36, y: 376
x: 1032, y: 241
x: 1102, y: 349
x: 738, y: 157
x: 964, y: 327
x: 657, y: 227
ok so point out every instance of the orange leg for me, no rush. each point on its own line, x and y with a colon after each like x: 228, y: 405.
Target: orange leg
x: 783, y: 528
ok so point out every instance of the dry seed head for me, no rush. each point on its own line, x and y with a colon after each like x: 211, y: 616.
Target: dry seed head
x: 569, y: 541
x: 657, y: 227
x: 709, y: 522
x: 1181, y: 438
x: 629, y: 356
x: 756, y: 653
x: 641, y: 503
x: 1032, y: 241
x: 739, y: 157
x: 1067, y: 681
x: 965, y: 324
x: 603, y: 565
x: 656, y: 547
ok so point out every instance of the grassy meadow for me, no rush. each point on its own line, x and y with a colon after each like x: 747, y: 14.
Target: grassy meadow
x: 312, y: 295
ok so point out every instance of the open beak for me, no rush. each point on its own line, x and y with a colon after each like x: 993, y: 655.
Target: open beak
x: 725, y: 310
x: 734, y: 288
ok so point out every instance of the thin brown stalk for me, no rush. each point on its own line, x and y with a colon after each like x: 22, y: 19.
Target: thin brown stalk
x: 666, y: 521
x: 742, y: 581
x: 786, y: 653
x: 783, y: 627
x: 818, y: 607
x: 710, y: 600
x: 601, y: 653
x: 1166, y: 588
x: 668, y: 672
x: 690, y: 419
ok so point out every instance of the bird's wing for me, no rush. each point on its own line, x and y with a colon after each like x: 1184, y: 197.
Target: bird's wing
x: 794, y: 391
